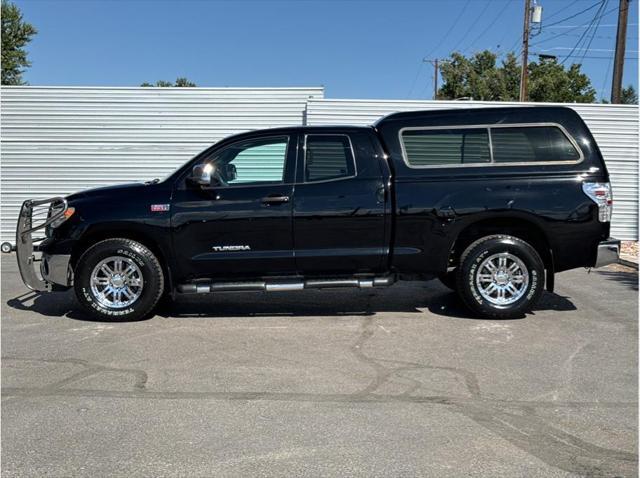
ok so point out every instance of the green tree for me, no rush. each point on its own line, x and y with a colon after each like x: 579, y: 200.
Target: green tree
x: 183, y: 82
x: 180, y: 83
x: 16, y: 33
x: 629, y: 96
x: 481, y: 78
x: 550, y: 82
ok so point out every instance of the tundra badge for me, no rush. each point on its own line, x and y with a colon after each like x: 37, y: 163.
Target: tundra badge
x: 230, y: 248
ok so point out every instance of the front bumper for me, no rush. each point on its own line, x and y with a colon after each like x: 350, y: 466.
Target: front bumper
x: 54, y: 269
x: 608, y: 252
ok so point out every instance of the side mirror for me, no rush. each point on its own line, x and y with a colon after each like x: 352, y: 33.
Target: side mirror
x: 232, y: 172
x: 201, y: 174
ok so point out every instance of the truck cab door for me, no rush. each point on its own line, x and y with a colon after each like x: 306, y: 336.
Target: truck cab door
x: 239, y: 225
x: 340, y: 208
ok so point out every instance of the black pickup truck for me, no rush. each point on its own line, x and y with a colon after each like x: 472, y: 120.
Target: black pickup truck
x: 491, y: 201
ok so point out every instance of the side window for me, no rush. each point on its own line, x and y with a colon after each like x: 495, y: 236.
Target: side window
x: 434, y: 147
x: 252, y: 161
x: 328, y: 157
x: 531, y: 144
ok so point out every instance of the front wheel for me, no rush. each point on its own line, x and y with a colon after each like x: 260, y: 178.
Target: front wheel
x: 500, y: 277
x: 118, y: 279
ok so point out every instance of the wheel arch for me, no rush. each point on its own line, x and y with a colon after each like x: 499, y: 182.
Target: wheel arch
x: 521, y: 227
x: 131, y: 231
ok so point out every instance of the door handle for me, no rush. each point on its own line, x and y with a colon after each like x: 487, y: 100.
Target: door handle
x: 447, y: 213
x: 275, y: 199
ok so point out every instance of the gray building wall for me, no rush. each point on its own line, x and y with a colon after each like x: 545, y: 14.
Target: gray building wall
x: 58, y: 140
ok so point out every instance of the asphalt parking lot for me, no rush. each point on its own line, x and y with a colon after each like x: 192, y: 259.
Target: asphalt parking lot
x: 390, y: 382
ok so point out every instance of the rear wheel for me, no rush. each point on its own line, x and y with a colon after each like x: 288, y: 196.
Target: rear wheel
x: 500, y: 277
x: 118, y: 279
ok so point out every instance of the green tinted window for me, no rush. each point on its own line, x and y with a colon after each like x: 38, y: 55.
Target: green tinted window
x: 328, y: 157
x: 253, y: 161
x: 525, y: 144
x: 435, y: 147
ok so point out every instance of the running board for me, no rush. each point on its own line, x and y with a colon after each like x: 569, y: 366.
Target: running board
x: 273, y: 286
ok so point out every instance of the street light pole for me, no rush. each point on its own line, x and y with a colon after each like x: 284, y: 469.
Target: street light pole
x: 621, y: 38
x: 435, y: 80
x: 435, y: 77
x: 524, y: 75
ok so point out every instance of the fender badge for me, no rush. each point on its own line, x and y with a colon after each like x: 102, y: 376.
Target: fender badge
x: 231, y: 248
x: 159, y: 207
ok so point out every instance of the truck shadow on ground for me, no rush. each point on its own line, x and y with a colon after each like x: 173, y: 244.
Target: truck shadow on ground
x: 415, y: 298
x: 624, y: 275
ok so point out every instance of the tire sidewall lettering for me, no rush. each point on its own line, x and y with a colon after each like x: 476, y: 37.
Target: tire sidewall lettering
x: 532, y: 287
x: 472, y: 276
x: 132, y: 255
x: 96, y: 306
x: 133, y: 251
x: 533, y: 284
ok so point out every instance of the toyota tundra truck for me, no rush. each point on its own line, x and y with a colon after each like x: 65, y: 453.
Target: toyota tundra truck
x: 492, y: 201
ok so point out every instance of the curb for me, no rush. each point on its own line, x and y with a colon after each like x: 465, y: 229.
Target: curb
x: 628, y: 263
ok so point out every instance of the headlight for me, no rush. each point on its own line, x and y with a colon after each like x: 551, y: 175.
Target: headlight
x: 68, y: 212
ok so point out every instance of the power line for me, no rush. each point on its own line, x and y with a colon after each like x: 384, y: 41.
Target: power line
x: 604, y: 81
x: 506, y: 34
x: 585, y: 48
x: 595, y: 29
x: 587, y: 26
x: 600, y: 2
x: 608, y: 58
x: 604, y: 37
x: 464, y: 37
x: 562, y: 11
x: 442, y: 39
x: 413, y: 84
x: 515, y: 44
x: 446, y: 35
x: 497, y: 17
x: 572, y: 29
x: 584, y: 34
x: 598, y: 57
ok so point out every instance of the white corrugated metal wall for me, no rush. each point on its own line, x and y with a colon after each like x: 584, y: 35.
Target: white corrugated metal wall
x: 58, y: 140
x: 615, y: 128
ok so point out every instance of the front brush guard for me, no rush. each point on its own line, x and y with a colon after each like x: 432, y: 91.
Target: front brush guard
x: 34, y: 217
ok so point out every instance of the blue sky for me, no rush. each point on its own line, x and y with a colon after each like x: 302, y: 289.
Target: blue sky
x: 356, y: 49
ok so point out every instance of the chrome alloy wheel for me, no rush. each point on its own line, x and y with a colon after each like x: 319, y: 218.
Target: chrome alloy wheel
x: 502, y: 279
x: 116, y: 282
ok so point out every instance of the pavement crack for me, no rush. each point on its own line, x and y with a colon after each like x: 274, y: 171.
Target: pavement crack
x: 513, y: 421
x: 140, y: 376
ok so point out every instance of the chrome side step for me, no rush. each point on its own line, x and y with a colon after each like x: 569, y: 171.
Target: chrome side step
x: 273, y: 286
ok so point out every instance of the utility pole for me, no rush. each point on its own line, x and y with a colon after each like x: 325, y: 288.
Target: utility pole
x: 621, y: 40
x: 524, y: 75
x: 435, y: 76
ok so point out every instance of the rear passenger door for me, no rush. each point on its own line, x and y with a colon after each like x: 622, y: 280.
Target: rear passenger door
x: 339, y: 205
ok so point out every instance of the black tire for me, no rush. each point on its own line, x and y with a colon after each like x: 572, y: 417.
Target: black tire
x: 485, y: 248
x: 449, y: 279
x: 152, y: 283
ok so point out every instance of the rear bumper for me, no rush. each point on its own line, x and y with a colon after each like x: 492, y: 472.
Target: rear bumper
x: 608, y: 252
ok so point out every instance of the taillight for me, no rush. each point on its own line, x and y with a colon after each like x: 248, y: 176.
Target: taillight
x: 600, y: 193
